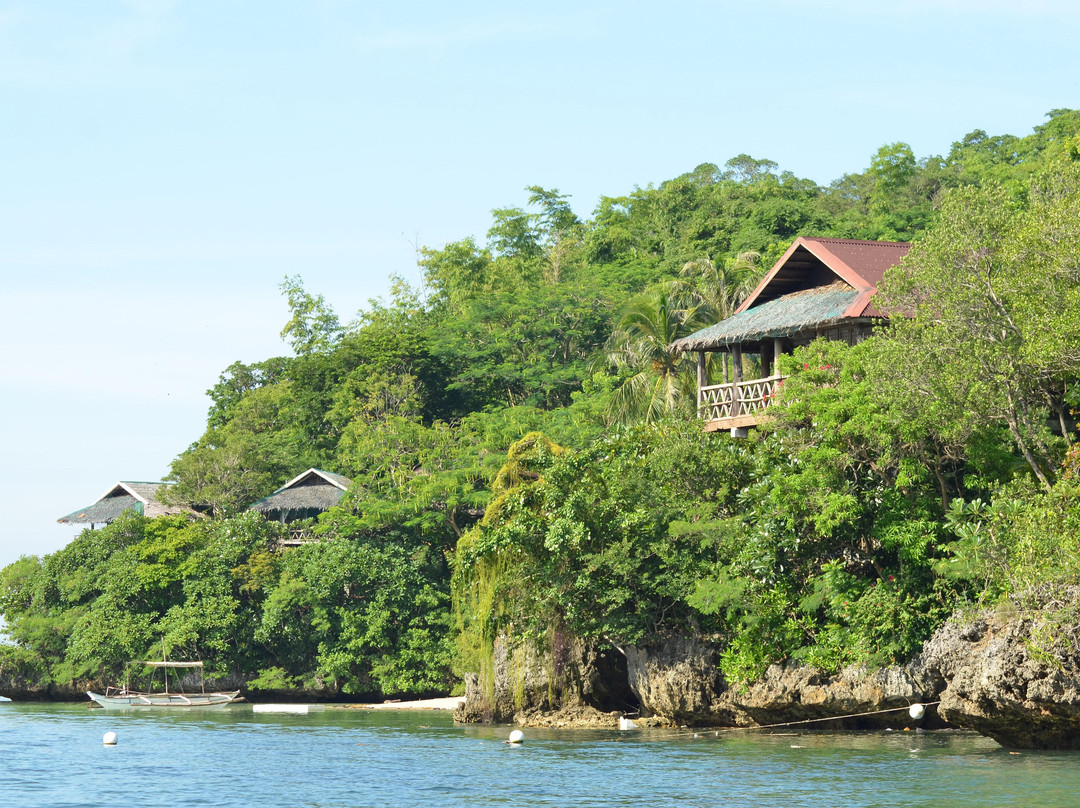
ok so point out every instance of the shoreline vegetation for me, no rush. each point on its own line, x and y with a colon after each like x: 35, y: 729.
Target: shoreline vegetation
x: 535, y: 510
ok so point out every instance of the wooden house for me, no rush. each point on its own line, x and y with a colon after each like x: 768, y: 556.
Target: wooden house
x: 821, y: 287
x: 303, y: 497
x: 140, y: 497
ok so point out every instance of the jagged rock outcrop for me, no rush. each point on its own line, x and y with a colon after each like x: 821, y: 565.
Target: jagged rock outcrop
x: 1013, y: 678
x: 798, y: 693
x: 677, y: 680
x: 567, y: 681
x: 17, y: 688
x: 1009, y: 676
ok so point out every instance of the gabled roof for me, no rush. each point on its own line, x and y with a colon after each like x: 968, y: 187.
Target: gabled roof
x: 859, y: 264
x: 817, y: 282
x: 307, y: 494
x: 142, y: 497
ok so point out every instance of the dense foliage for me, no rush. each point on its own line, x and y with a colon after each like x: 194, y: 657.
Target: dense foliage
x: 524, y: 456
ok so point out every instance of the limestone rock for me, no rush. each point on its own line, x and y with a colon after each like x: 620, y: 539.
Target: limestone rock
x: 677, y: 679
x: 565, y: 674
x: 999, y: 675
x: 795, y: 693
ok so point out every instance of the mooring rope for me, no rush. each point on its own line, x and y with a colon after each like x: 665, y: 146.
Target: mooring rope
x: 700, y: 730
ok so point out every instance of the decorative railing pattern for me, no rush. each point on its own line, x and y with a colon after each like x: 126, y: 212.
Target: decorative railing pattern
x: 718, y: 401
x: 298, y: 536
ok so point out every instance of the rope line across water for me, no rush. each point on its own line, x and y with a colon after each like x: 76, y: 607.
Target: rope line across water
x: 685, y: 730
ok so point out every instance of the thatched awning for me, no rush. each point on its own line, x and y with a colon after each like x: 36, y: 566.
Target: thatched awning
x: 303, y: 497
x: 782, y: 317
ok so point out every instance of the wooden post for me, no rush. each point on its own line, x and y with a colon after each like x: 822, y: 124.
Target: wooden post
x: 777, y: 349
x: 724, y: 356
x: 702, y: 382
x: 736, y: 380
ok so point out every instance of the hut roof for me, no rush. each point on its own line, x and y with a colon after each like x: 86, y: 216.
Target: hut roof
x: 142, y: 497
x: 777, y: 318
x: 811, y: 262
x: 818, y: 281
x: 305, y: 495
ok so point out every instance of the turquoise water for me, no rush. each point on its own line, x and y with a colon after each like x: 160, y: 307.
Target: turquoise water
x: 52, y: 755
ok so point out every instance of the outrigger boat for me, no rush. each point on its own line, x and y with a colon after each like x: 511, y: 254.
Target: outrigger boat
x: 123, y: 698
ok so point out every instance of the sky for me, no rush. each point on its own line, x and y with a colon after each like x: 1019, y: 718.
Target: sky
x: 165, y: 165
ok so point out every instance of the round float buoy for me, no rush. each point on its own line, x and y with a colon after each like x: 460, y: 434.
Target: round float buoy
x: 109, y: 739
x: 916, y: 711
x: 517, y: 736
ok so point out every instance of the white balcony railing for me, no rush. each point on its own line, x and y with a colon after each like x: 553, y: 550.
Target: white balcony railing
x: 720, y: 402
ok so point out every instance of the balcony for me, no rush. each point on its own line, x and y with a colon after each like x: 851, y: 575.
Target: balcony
x: 737, y: 405
x: 297, y: 537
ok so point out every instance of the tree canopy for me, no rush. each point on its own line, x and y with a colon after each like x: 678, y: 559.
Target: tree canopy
x: 524, y: 454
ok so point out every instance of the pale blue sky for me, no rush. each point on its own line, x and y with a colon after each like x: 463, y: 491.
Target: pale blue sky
x: 165, y: 165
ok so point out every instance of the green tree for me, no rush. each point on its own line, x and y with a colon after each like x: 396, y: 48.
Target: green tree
x: 994, y: 297
x: 655, y: 379
x: 313, y: 327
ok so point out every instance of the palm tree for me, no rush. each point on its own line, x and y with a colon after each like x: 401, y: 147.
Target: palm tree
x: 660, y: 380
x: 717, y: 291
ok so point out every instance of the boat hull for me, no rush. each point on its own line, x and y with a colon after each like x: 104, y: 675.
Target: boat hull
x: 134, y: 701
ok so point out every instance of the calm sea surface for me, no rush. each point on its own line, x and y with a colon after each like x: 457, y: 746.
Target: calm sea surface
x: 52, y: 755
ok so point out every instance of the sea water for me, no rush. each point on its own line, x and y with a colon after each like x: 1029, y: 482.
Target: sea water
x: 53, y: 755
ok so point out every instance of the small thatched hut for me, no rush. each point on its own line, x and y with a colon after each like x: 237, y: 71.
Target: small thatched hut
x: 140, y: 497
x: 303, y: 497
x: 821, y: 287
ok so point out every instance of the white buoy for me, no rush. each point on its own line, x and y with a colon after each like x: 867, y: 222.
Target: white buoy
x: 109, y: 739
x: 517, y: 736
x: 916, y: 711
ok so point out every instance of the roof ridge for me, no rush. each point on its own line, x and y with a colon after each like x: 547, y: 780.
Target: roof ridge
x: 832, y: 240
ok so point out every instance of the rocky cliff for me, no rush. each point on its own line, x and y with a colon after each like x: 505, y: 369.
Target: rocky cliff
x: 1012, y: 677
x: 678, y: 681
x: 566, y: 681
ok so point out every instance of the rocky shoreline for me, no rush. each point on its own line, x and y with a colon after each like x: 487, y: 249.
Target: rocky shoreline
x: 1011, y: 676
x: 1000, y: 674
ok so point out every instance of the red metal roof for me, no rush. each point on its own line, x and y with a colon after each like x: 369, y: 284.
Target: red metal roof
x: 860, y: 264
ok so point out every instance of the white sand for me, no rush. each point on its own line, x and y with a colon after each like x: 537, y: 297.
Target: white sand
x: 448, y: 703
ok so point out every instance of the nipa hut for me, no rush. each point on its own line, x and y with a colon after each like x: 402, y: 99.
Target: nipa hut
x: 303, y: 497
x: 821, y: 287
x: 140, y: 497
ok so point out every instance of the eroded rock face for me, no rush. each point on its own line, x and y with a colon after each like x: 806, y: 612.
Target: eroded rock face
x: 571, y: 676
x: 798, y: 693
x: 1002, y: 675
x: 678, y: 680
x: 992, y: 680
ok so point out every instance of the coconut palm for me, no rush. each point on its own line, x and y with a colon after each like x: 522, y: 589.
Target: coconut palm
x: 657, y: 379
x: 717, y: 291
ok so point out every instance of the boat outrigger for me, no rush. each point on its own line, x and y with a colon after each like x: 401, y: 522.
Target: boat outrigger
x: 123, y: 698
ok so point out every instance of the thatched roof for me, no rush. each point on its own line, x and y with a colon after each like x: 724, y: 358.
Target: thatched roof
x: 141, y: 497
x: 781, y: 317
x: 304, y: 496
x: 818, y: 282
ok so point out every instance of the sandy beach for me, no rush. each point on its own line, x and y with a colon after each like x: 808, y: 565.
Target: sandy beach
x: 447, y: 703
